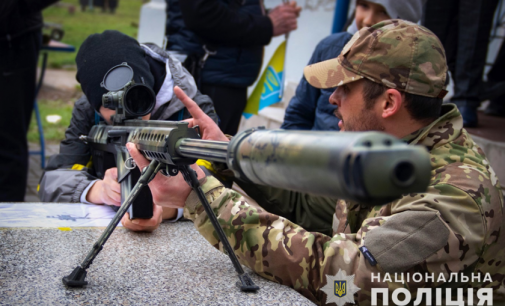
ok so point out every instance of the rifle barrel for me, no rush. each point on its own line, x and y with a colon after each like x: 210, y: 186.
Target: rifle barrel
x: 203, y: 149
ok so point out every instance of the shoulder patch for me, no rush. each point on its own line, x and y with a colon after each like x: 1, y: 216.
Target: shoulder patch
x: 407, y: 239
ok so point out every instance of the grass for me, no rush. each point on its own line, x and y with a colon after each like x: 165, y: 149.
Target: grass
x: 53, y: 132
x: 79, y: 25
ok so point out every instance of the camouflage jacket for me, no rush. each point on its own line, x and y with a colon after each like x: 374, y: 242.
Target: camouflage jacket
x: 454, y: 227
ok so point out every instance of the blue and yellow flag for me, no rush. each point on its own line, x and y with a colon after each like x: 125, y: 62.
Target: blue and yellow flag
x: 270, y: 86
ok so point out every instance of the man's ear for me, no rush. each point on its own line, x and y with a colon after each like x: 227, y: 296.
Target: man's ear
x: 392, y: 103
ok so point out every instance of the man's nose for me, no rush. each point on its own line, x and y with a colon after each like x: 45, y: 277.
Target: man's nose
x: 334, y: 98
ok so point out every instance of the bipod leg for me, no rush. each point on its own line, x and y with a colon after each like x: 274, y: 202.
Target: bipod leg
x: 246, y: 282
x: 76, y: 278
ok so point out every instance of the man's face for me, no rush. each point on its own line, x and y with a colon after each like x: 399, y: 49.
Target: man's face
x: 107, y: 113
x: 352, y: 111
x: 369, y: 13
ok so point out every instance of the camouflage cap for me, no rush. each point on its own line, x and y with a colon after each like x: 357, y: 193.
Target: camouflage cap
x: 396, y: 53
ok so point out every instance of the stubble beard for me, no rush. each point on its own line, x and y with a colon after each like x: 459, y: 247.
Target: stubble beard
x: 366, y: 121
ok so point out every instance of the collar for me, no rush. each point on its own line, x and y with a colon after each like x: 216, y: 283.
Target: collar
x: 441, y: 131
x: 166, y: 92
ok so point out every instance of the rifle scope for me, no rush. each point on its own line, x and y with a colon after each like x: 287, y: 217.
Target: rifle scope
x: 130, y: 100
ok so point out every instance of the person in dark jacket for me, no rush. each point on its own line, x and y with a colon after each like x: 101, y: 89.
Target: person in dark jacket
x: 74, y: 175
x: 464, y: 27
x: 310, y: 109
x: 228, y: 35
x: 20, y: 42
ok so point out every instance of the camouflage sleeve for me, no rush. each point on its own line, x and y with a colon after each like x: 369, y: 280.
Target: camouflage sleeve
x: 284, y: 252
x: 274, y: 247
x: 313, y: 213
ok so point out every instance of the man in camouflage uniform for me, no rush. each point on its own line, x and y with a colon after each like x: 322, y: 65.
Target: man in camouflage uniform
x: 385, y: 76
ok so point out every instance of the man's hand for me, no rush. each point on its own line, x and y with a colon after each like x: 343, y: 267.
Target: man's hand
x: 167, y: 191
x: 284, y: 17
x: 208, y: 128
x: 144, y: 225
x: 106, y: 191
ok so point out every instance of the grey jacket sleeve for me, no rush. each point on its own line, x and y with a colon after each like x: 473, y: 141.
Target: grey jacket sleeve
x: 68, y: 173
x: 64, y: 185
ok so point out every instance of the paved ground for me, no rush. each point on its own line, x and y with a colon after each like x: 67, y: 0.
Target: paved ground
x: 490, y: 127
x: 61, y: 79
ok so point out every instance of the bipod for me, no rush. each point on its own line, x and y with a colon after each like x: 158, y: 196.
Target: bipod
x: 76, y: 278
x: 246, y: 283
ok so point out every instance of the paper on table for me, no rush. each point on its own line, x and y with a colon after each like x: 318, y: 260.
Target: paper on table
x: 54, y: 215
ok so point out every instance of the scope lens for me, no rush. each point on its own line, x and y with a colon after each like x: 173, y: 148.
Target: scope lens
x: 139, y: 100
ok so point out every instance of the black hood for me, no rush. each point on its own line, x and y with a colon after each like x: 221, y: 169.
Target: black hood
x: 99, y: 53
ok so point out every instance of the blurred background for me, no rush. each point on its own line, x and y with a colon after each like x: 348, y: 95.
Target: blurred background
x: 145, y: 21
x: 79, y: 19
